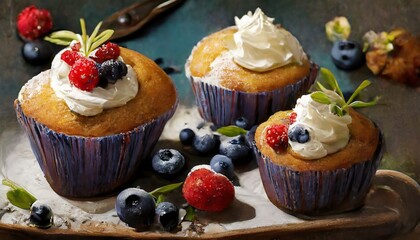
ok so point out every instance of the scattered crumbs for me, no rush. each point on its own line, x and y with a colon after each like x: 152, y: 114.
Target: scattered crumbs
x: 196, y: 227
x: 201, y: 125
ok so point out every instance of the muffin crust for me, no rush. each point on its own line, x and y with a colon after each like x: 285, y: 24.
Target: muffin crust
x: 156, y: 95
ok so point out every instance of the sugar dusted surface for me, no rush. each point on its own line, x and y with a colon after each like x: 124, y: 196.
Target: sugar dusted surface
x: 250, y: 209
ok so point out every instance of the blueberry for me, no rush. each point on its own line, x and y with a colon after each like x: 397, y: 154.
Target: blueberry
x: 167, y: 215
x: 298, y: 133
x: 242, y: 123
x: 223, y: 165
x: 235, y: 148
x: 112, y: 70
x: 347, y: 55
x: 41, y: 215
x: 205, y: 144
x: 135, y: 207
x: 168, y: 162
x: 186, y: 136
x: 37, y: 52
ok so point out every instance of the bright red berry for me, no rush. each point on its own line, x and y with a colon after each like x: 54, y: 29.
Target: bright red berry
x: 276, y: 137
x: 207, y: 190
x: 107, y: 51
x: 70, y: 57
x: 33, y: 23
x: 292, y: 118
x: 84, y: 74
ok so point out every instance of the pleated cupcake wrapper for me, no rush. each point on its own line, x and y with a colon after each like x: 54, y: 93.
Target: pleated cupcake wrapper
x: 223, y: 107
x: 81, y: 167
x: 317, y: 192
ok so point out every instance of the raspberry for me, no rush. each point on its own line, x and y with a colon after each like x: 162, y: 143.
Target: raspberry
x: 70, y: 57
x: 207, y: 190
x: 33, y: 23
x: 292, y: 118
x: 84, y: 74
x: 276, y: 137
x: 107, y: 51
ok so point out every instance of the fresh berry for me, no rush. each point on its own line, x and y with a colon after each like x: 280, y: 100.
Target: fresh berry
x: 112, y: 70
x: 107, y: 51
x: 347, y: 55
x: 207, y: 190
x: 242, y: 123
x: 167, y: 215
x: 41, y: 215
x: 84, y: 74
x: 292, y: 118
x: 276, y: 137
x: 223, y: 165
x: 205, y: 144
x: 235, y: 148
x: 70, y: 57
x: 186, y: 136
x: 135, y: 207
x: 33, y: 23
x: 37, y: 52
x: 168, y: 162
x: 298, y: 133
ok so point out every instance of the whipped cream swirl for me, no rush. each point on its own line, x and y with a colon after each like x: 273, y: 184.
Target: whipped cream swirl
x: 328, y: 133
x: 259, y: 45
x: 94, y: 102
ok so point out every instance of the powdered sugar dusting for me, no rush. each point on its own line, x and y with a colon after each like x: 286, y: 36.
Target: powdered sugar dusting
x: 34, y: 85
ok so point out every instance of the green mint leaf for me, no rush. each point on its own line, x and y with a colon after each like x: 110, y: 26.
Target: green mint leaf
x: 165, y: 189
x: 101, y: 38
x: 360, y: 104
x: 231, y: 131
x: 330, y: 79
x: 160, y: 198
x: 63, y: 37
x: 18, y: 196
x: 321, y: 97
x: 190, y: 215
x: 362, y: 86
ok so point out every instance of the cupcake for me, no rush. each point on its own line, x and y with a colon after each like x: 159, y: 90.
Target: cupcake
x: 249, y: 71
x: 95, y: 115
x: 320, y: 157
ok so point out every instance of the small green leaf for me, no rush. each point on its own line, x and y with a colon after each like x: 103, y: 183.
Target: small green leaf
x: 320, y: 97
x: 160, y: 198
x: 18, y: 196
x: 165, y: 189
x: 330, y: 79
x: 102, y: 38
x: 190, y: 215
x: 360, y: 104
x: 231, y: 131
x: 362, y: 86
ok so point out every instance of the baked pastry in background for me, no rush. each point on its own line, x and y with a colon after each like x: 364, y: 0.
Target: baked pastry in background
x: 94, y: 116
x: 319, y: 158
x: 249, y: 71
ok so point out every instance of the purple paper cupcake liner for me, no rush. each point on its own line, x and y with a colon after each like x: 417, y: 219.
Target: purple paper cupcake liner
x: 82, y: 167
x: 223, y: 107
x: 314, y: 193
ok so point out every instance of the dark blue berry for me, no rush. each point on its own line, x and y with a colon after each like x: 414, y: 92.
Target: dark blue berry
x: 112, y: 70
x: 186, y: 136
x: 135, y: 207
x: 223, y: 165
x: 37, y: 52
x: 41, y: 215
x: 167, y: 215
x: 347, y: 55
x: 235, y: 148
x: 242, y: 123
x: 168, y: 162
x: 298, y: 133
x: 205, y: 144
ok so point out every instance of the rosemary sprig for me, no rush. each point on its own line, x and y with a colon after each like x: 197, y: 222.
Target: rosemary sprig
x: 88, y: 43
x: 339, y: 105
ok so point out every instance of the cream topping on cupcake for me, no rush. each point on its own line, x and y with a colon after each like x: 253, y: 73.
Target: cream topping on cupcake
x: 259, y: 45
x: 328, y: 132
x: 94, y: 102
